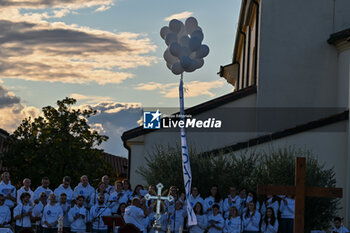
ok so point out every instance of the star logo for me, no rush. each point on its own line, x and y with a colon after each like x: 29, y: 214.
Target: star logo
x: 151, y: 120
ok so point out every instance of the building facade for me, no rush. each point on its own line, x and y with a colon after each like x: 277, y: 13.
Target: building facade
x: 292, y: 55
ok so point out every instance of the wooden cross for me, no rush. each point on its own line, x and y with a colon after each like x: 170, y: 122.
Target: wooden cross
x: 300, y: 191
x: 157, y: 225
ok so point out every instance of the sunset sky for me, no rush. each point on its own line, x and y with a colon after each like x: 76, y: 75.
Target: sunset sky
x: 107, y: 54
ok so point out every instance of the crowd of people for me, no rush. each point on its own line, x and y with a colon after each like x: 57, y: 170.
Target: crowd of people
x: 81, y: 209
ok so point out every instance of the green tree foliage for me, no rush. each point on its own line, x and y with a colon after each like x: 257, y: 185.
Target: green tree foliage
x: 56, y: 144
x: 246, y: 169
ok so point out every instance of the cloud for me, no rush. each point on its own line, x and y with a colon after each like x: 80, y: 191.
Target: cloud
x: 7, y: 98
x: 37, y: 50
x: 35, y: 4
x: 112, y: 119
x: 192, y: 89
x: 57, y: 52
x: 103, y: 8
x: 179, y: 16
x: 12, y: 111
x: 90, y: 99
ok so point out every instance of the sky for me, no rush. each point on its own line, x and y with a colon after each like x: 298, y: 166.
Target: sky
x: 107, y: 54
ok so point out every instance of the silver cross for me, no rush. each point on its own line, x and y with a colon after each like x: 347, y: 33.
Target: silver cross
x: 157, y: 225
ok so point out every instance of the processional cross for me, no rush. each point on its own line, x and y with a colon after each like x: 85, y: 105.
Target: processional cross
x: 300, y: 190
x: 157, y: 225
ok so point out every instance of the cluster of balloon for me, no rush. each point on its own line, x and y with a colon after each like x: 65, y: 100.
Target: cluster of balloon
x: 185, y: 50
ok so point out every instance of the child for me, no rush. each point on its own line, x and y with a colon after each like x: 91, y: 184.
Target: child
x: 270, y: 223
x: 202, y: 221
x: 216, y: 222
x: 233, y: 223
x: 251, y: 219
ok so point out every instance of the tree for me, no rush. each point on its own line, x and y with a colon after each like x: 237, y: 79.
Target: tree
x: 56, y: 144
x: 246, y: 169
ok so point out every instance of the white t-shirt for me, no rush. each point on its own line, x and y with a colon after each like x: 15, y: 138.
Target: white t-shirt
x: 41, y: 189
x: 227, y: 205
x: 51, y: 214
x: 99, y: 210
x: 68, y: 191
x: 202, y: 223
x: 233, y: 225
x: 6, y: 189
x: 22, y: 190
x: 23, y: 222
x: 251, y: 222
x: 135, y: 215
x: 5, y: 215
x: 38, y: 212
x: 79, y: 224
x: 218, y: 221
x: 269, y: 228
x: 287, y: 210
x: 84, y: 191
x: 209, y: 202
x: 194, y: 200
x: 116, y: 199
x: 345, y: 230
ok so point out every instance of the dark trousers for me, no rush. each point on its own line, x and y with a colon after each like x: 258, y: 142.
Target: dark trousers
x: 39, y: 229
x: 286, y: 225
x: 18, y: 229
x: 49, y: 230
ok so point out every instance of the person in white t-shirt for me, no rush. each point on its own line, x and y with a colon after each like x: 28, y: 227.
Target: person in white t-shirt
x: 195, y: 197
x: 269, y: 223
x: 135, y: 214
x: 251, y: 218
x: 5, y: 213
x: 216, y: 222
x: 202, y: 220
x: 26, y: 189
x: 117, y: 197
x: 37, y: 213
x: 233, y: 223
x: 64, y: 188
x: 22, y: 213
x: 231, y: 200
x: 176, y: 216
x: 51, y: 215
x: 338, y: 226
x: 45, y: 182
x: 272, y: 202
x: 287, y: 214
x: 97, y: 212
x: 65, y: 208
x: 78, y: 215
x: 105, y: 179
x: 101, y: 189
x: 8, y: 190
x: 214, y: 198
x: 84, y: 189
